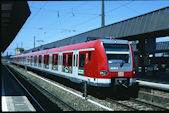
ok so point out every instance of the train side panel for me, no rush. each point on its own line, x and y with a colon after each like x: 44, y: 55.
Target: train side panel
x: 91, y: 65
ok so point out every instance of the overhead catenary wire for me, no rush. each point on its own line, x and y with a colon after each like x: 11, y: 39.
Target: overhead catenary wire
x: 65, y: 9
x: 36, y: 13
x: 109, y: 11
x: 132, y: 9
x: 86, y: 21
x: 61, y: 18
x: 73, y: 14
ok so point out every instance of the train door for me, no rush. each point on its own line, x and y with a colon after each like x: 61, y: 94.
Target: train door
x: 40, y: 61
x: 75, y: 62
x: 83, y: 60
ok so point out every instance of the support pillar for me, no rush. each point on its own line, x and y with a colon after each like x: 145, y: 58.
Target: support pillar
x: 142, y: 53
x: 85, y: 89
x: 25, y: 67
x: 151, y: 48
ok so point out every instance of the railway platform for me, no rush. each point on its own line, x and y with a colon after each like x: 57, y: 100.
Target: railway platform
x: 155, y: 85
x: 13, y: 97
x: 158, y: 80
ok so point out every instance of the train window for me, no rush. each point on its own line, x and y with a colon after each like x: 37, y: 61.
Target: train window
x: 64, y: 63
x: 69, y: 60
x: 74, y: 60
x: 82, y: 60
x: 40, y: 60
x: 53, y: 59
x: 31, y: 60
x: 35, y: 60
x: 118, y: 58
x: 46, y: 61
x: 64, y: 60
x: 89, y: 55
x: 55, y: 62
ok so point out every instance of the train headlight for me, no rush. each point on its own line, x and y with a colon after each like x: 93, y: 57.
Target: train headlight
x: 134, y: 71
x: 103, y: 73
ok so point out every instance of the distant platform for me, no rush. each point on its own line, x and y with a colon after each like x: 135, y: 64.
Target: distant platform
x: 158, y: 80
x: 154, y: 85
x: 159, y: 77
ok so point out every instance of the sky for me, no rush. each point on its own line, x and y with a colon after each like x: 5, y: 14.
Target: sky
x: 55, y: 20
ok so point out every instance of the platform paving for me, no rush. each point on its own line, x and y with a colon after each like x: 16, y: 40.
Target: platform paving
x: 13, y: 97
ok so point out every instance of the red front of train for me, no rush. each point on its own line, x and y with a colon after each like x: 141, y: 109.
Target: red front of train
x: 112, y: 63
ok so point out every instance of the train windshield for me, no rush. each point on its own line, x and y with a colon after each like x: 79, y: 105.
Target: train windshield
x: 118, y: 58
x: 117, y: 54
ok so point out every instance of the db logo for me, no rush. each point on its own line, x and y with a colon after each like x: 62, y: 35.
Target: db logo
x: 120, y: 74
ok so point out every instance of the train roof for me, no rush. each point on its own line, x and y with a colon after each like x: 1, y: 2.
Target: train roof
x: 84, y: 45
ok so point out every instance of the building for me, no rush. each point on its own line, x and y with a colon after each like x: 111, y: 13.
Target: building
x: 19, y: 51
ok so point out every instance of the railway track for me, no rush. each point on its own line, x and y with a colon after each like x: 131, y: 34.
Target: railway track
x: 124, y: 106
x: 39, y: 101
x: 136, y: 105
x: 155, y: 107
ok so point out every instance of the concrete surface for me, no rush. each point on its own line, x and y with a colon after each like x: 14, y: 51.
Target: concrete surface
x: 12, y: 96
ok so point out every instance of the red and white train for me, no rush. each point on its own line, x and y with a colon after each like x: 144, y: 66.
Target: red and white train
x: 101, y: 62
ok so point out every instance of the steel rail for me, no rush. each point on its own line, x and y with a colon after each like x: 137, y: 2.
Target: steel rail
x: 74, y: 109
x: 152, y: 105
x: 123, y: 105
x: 25, y: 89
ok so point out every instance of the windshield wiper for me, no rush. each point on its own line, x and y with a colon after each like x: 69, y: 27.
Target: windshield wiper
x: 121, y: 64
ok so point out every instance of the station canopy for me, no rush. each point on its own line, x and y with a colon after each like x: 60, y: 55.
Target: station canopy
x: 13, y: 16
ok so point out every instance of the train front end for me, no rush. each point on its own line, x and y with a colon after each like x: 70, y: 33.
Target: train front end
x: 119, y: 66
